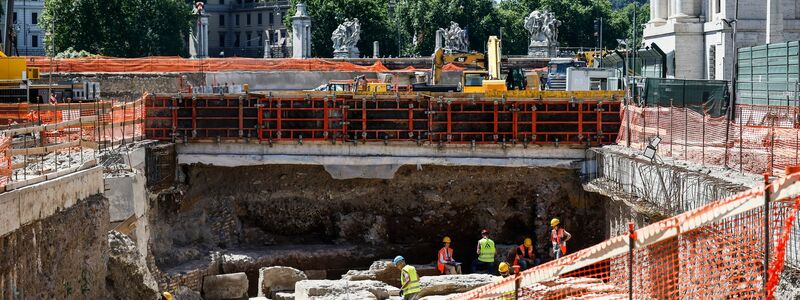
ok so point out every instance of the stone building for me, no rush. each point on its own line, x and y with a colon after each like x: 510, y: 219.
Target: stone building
x: 241, y: 27
x: 30, y: 35
x: 698, y: 40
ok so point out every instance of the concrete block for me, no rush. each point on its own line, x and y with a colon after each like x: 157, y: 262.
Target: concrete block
x: 9, y: 213
x: 226, y: 286
x: 278, y: 279
x: 283, y: 296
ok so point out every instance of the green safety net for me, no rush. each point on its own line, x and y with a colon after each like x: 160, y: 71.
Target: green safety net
x: 705, y: 96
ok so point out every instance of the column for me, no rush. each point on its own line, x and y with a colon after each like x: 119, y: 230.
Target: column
x: 774, y: 22
x: 658, y: 11
x: 685, y: 9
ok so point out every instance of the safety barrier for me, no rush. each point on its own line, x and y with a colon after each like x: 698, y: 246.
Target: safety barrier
x: 348, y: 117
x: 759, y: 139
x: 715, y: 252
x: 39, y: 140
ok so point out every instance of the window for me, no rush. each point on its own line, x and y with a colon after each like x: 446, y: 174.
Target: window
x: 236, y: 42
x: 259, y: 19
x: 35, y: 41
x: 271, y: 18
x: 221, y: 20
x: 260, y: 39
x: 248, y: 19
x: 249, y: 37
x: 222, y: 2
x: 34, y: 18
x: 237, y: 20
x: 222, y: 39
x: 15, y: 18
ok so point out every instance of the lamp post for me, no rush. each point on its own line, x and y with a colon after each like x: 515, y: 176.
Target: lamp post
x: 393, y: 12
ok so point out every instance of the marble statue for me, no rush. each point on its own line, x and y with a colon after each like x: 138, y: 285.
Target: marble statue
x: 542, y: 27
x: 455, y: 39
x: 198, y: 38
x: 345, y: 38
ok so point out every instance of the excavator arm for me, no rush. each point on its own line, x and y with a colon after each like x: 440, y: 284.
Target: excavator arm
x: 469, y: 60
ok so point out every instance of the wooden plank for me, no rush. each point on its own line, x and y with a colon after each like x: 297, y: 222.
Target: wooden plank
x: 42, y: 150
x: 26, y: 130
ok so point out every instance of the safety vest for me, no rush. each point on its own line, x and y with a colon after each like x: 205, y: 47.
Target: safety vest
x: 413, y: 285
x: 555, y: 237
x: 445, y: 255
x: 487, y: 250
x: 525, y: 254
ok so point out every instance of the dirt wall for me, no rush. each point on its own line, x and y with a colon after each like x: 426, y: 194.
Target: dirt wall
x: 251, y: 207
x: 60, y: 257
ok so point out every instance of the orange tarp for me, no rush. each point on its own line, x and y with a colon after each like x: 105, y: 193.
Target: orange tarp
x: 162, y: 64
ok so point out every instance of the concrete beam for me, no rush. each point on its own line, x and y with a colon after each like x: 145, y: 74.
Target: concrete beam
x: 372, y: 157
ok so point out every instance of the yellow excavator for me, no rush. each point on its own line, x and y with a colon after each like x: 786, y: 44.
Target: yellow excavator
x: 482, y: 71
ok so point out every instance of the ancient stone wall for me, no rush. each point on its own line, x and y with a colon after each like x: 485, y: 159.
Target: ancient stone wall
x: 62, y: 256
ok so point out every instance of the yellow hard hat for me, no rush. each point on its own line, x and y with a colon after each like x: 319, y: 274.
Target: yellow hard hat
x: 167, y: 295
x: 528, y: 242
x: 503, y: 268
x: 554, y: 222
x: 446, y: 239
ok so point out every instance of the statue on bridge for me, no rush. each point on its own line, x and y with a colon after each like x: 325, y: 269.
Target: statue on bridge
x: 542, y: 30
x: 455, y: 39
x: 345, y: 38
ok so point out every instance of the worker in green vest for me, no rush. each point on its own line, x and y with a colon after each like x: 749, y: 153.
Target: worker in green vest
x: 486, y: 252
x: 409, y: 281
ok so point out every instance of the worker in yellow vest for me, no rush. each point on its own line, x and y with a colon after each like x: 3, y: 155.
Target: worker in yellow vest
x: 409, y: 281
x: 486, y: 251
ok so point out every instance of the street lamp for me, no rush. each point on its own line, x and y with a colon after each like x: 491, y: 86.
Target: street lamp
x: 393, y: 12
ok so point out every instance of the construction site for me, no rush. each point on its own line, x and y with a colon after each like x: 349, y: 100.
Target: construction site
x: 331, y: 178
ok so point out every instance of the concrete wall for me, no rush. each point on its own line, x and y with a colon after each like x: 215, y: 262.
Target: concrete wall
x: 36, y: 202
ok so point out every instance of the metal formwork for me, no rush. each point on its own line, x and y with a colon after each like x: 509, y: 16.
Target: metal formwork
x: 412, y: 117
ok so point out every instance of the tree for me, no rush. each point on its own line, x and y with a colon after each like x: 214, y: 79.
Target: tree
x: 122, y: 28
x: 421, y: 19
x: 326, y: 15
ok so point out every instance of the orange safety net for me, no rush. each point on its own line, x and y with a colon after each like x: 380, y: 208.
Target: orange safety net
x: 760, y: 139
x: 107, y: 123
x: 714, y: 252
x: 160, y: 64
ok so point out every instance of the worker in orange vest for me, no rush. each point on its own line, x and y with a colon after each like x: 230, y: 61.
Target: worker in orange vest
x: 525, y: 257
x: 559, y: 238
x: 445, y: 262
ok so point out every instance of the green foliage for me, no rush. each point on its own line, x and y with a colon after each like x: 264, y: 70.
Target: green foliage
x: 326, y: 15
x: 421, y: 19
x: 122, y: 28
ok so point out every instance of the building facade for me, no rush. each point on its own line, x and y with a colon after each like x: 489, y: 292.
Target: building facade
x: 30, y: 36
x: 242, y: 27
x: 697, y: 36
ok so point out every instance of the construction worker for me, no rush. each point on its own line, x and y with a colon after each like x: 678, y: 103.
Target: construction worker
x: 486, y: 252
x: 166, y: 295
x: 504, y: 269
x: 559, y: 238
x: 445, y: 262
x: 525, y: 258
x: 409, y: 281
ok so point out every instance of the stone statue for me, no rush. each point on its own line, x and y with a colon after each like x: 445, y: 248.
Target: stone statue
x: 345, y: 38
x: 455, y: 39
x: 542, y: 30
x: 198, y: 38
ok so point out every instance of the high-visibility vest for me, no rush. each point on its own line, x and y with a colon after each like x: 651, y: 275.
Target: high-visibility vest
x: 445, y: 255
x: 413, y: 285
x: 555, y: 237
x: 522, y: 249
x: 487, y: 250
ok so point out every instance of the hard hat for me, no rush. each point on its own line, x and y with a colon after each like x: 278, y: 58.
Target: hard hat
x: 446, y: 239
x: 528, y: 242
x: 485, y: 231
x: 398, y: 259
x: 167, y: 295
x: 554, y: 222
x: 503, y: 268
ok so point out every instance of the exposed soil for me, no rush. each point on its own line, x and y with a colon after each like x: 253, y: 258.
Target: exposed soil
x: 252, y: 207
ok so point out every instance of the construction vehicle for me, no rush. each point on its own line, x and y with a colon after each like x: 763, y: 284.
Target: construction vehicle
x: 359, y: 84
x: 590, y: 57
x: 557, y: 72
x: 482, y: 73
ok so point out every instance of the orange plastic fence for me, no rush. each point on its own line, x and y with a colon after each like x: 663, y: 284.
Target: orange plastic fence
x: 760, y: 139
x: 178, y: 64
x: 115, y: 122
x: 714, y: 252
